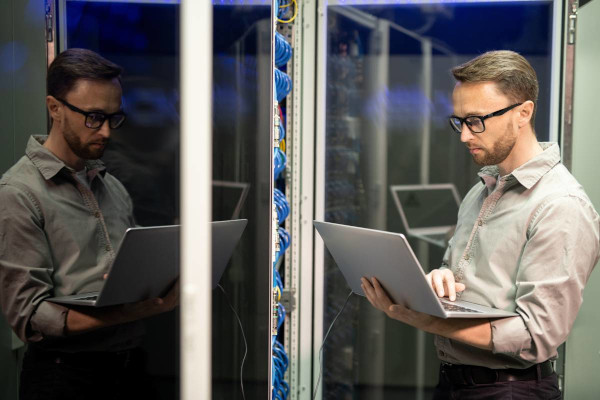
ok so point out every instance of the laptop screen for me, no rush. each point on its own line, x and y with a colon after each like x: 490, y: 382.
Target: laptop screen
x: 428, y: 207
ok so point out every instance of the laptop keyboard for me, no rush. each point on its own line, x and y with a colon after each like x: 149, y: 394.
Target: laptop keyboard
x: 454, y: 307
x: 94, y: 297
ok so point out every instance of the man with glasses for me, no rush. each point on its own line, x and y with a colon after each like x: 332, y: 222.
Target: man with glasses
x: 62, y: 217
x: 526, y: 240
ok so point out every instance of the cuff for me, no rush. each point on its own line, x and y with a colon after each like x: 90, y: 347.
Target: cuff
x: 49, y: 319
x: 510, y: 336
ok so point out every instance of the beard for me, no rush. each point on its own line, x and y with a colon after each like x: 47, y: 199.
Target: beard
x: 499, y: 151
x: 84, y: 151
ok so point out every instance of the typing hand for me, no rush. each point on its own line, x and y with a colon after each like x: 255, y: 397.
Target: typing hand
x: 442, y: 282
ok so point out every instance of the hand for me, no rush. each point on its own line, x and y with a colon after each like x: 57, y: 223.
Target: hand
x: 379, y: 299
x: 150, y: 307
x: 442, y: 282
x: 376, y: 294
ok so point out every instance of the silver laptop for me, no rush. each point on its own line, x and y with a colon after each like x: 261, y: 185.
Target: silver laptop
x: 387, y: 256
x: 147, y: 264
x: 428, y: 212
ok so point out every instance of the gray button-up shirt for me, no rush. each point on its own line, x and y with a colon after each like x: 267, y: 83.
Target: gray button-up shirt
x: 58, y: 237
x: 526, y: 243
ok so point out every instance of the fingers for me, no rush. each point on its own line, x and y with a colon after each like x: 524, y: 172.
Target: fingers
x: 437, y: 279
x: 443, y: 283
x: 449, y: 284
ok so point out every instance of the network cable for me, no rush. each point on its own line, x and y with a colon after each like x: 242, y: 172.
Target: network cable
x: 243, y: 336
x: 281, y: 88
x: 323, y: 344
x: 283, y: 84
x: 283, y: 50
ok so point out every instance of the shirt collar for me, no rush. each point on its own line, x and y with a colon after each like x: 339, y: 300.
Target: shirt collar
x: 48, y: 164
x: 529, y: 173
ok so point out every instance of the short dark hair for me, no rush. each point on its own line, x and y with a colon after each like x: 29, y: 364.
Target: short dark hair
x: 511, y: 72
x: 74, y: 64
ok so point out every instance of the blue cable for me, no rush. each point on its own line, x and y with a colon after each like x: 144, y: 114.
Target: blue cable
x: 283, y: 84
x: 283, y: 50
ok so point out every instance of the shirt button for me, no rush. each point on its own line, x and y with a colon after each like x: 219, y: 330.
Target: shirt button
x: 442, y: 354
x: 467, y: 257
x: 480, y: 223
x: 107, y: 248
x: 97, y: 214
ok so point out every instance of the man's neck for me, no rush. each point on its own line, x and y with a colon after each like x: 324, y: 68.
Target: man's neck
x: 526, y: 148
x: 60, y: 148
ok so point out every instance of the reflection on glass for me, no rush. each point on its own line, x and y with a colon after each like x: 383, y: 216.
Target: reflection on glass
x: 144, y: 153
x: 388, y: 100
x: 143, y: 37
x: 241, y: 189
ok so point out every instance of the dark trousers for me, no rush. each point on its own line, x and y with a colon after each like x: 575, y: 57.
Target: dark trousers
x: 95, y: 375
x: 543, y: 389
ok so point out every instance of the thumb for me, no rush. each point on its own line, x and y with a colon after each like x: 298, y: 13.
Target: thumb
x: 459, y: 287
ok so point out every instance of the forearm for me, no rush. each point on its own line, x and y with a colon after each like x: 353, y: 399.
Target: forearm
x: 474, y: 332
x: 84, y: 321
x: 88, y: 319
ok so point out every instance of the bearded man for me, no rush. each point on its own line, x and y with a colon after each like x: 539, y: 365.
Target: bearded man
x: 526, y: 241
x: 62, y: 217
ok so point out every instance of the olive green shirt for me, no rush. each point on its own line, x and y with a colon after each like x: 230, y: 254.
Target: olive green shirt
x: 58, y: 237
x: 526, y: 243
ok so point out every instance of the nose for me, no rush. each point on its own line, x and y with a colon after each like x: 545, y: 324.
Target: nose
x: 104, y: 129
x: 465, y: 133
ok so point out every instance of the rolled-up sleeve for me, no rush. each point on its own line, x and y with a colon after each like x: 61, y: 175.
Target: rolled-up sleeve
x: 26, y: 268
x: 560, y: 253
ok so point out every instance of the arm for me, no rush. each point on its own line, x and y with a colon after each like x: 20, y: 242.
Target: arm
x: 475, y: 332
x: 556, y: 262
x: 26, y: 268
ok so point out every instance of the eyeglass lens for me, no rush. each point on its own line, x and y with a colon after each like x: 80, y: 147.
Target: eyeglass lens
x: 95, y: 120
x: 475, y: 124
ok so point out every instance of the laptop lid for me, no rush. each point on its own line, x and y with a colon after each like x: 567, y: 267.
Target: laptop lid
x: 147, y: 263
x: 387, y: 256
x: 427, y: 209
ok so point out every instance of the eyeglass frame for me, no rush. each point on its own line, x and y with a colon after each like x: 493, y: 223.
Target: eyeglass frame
x: 105, y: 116
x: 463, y: 121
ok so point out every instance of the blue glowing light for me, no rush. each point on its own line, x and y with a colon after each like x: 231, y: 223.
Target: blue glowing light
x: 13, y: 56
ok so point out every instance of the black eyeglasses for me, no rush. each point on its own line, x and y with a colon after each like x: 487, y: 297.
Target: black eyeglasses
x: 95, y: 119
x: 474, y: 122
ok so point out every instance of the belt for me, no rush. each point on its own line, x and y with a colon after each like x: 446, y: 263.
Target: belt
x: 469, y: 375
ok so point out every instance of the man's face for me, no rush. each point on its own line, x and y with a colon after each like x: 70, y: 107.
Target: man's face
x: 495, y: 144
x: 89, y: 95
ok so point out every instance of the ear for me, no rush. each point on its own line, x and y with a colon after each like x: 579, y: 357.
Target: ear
x: 525, y: 113
x: 55, y: 108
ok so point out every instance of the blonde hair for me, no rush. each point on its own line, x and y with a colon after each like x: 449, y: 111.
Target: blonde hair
x: 511, y: 72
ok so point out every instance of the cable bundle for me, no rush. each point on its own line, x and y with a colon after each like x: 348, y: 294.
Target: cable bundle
x: 279, y: 159
x: 282, y: 124
x: 284, y: 238
x: 282, y: 204
x: 281, y: 388
x: 283, y: 84
x: 283, y: 50
x: 283, y: 7
x: 282, y: 87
